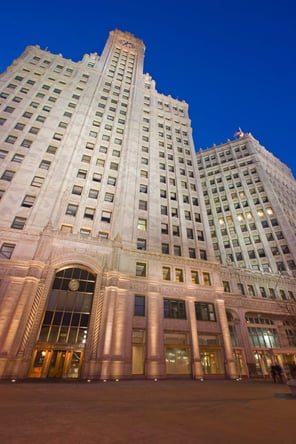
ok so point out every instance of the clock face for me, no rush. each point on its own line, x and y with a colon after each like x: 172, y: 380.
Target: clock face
x: 74, y: 284
x: 126, y: 43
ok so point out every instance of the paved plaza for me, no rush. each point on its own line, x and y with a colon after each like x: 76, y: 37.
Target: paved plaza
x: 147, y: 412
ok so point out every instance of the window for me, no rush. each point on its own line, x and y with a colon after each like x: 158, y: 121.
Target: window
x: 165, y: 249
x: 93, y: 194
x: 103, y: 235
x: 6, y: 250
x: 251, y: 290
x: 241, y: 289
x: 164, y: 228
x: 45, y: 164
x: 205, y: 311
x: 72, y: 209
x: 51, y: 149
x: 177, y: 250
x: 90, y: 146
x: 203, y: 254
x: 226, y: 286
x: 179, y: 276
x: 10, y: 139
x: 3, y: 154
x: 9, y: 109
x: 18, y: 223
x: 263, y: 292
x: 194, y: 277
x: 140, y: 269
x: 144, y: 173
x: 200, y: 235
x: 8, y: 175
x: 264, y: 337
x: 174, y: 309
x: 111, y: 181
x: 37, y: 181
x: 85, y: 231
x: 141, y: 244
x: 142, y: 224
x: 42, y: 119
x: 166, y: 273
x: 143, y: 188
x: 35, y: 130
x: 26, y: 143
x: 82, y: 174
x: 189, y: 233
x: 192, y: 253
x: 142, y: 205
x: 139, y: 307
x: 89, y: 213
x: 114, y: 166
x: 187, y: 215
x: 28, y: 201
x: 77, y: 190
x: 206, y: 278
x: 109, y: 197
x: 19, y: 126
x: 174, y: 212
x: 176, y: 230
x: 106, y: 216
x: 85, y: 158
x: 97, y: 177
x: 163, y: 209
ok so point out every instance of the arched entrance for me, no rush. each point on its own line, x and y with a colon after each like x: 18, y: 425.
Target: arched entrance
x: 61, y: 341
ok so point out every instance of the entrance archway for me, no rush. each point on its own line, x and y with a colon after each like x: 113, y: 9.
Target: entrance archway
x: 61, y: 341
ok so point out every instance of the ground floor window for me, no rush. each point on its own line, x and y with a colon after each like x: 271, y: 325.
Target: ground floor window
x: 177, y: 353
x: 264, y: 337
x: 212, y: 362
x: 211, y: 354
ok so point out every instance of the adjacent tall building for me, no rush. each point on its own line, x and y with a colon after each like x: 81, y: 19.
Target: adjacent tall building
x: 124, y: 253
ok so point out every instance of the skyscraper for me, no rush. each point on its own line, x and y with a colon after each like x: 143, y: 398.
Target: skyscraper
x: 112, y: 262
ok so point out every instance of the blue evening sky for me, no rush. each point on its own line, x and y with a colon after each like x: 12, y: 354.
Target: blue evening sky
x: 234, y: 62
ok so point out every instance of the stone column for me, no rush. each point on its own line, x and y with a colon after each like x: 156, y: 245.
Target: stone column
x: 229, y: 356
x: 107, y: 349
x: 155, y: 365
x: 197, y: 370
x: 122, y: 337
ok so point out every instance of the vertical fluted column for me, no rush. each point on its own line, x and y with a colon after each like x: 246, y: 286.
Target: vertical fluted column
x: 16, y: 309
x: 197, y: 370
x: 229, y: 357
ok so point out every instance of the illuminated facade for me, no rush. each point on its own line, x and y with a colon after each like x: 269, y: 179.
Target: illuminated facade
x: 112, y: 260
x: 250, y: 199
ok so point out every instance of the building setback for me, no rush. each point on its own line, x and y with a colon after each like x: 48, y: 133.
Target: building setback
x: 124, y: 253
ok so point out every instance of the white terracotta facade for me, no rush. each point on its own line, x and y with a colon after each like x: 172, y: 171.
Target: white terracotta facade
x: 113, y: 264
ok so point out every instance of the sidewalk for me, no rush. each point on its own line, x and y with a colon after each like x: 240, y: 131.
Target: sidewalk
x: 147, y: 412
